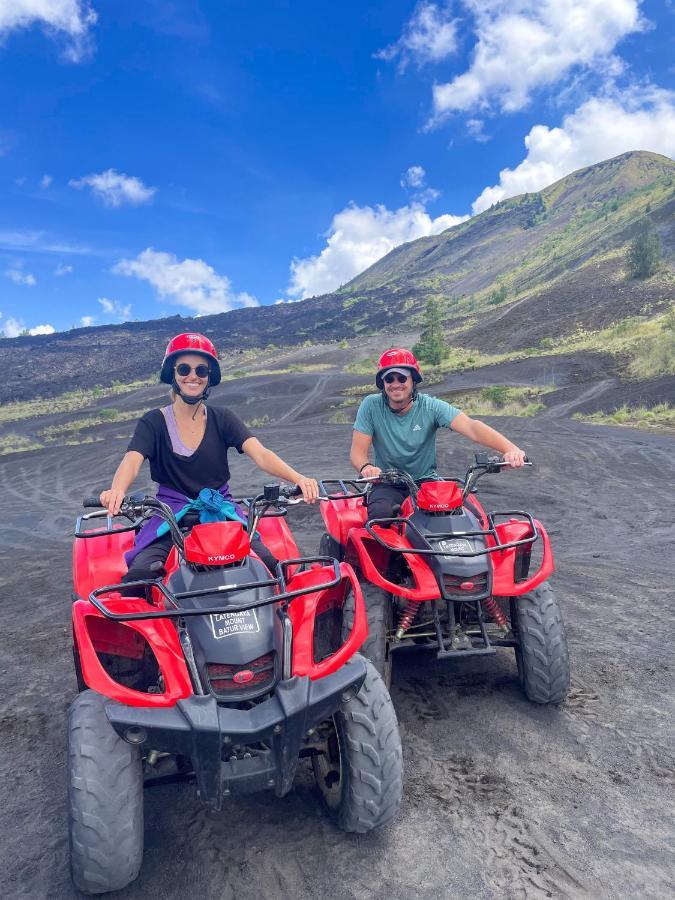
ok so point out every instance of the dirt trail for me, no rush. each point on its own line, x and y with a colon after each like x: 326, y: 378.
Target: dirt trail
x: 561, y: 410
x: 502, y: 798
x: 304, y: 404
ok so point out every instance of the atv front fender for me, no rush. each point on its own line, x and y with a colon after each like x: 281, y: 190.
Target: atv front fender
x: 129, y: 638
x: 368, y: 554
x: 504, y: 582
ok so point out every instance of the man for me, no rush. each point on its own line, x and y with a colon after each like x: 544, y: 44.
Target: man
x: 401, y: 426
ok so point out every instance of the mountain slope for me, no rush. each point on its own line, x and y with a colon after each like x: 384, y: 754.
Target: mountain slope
x: 535, y: 266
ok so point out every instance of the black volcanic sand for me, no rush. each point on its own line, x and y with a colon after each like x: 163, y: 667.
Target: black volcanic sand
x: 503, y: 798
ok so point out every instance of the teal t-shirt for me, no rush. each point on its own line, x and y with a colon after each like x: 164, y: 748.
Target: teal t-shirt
x: 408, y: 442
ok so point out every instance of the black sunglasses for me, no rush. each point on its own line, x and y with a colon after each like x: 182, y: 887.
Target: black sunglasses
x: 201, y: 371
x: 395, y: 376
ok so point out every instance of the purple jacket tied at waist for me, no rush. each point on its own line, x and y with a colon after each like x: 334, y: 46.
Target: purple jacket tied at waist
x: 174, y: 499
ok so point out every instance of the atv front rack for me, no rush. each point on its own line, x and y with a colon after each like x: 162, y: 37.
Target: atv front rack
x: 284, y: 597
x: 453, y: 535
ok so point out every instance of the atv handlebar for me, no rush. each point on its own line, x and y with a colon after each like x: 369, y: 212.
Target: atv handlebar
x: 138, y: 507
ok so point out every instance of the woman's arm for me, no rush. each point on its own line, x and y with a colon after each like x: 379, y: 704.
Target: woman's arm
x: 126, y: 474
x: 489, y: 437
x: 274, y: 465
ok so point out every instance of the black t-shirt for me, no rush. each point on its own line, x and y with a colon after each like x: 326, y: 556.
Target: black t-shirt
x: 207, y: 467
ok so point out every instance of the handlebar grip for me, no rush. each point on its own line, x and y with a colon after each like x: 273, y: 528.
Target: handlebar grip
x: 92, y: 503
x: 289, y: 491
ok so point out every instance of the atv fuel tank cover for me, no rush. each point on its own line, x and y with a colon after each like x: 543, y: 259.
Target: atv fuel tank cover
x: 217, y: 544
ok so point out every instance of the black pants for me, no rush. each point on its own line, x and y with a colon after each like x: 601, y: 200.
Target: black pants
x: 146, y: 564
x: 383, y: 501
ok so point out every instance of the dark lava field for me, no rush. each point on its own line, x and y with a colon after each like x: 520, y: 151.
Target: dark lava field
x: 502, y: 798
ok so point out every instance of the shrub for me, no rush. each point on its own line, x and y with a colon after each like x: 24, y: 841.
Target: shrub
x: 497, y: 394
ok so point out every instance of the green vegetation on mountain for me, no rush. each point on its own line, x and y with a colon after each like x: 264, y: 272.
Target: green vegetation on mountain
x: 662, y: 415
x: 500, y: 400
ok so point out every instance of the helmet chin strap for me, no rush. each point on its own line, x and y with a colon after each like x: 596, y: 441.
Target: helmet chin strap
x: 411, y: 399
x: 191, y: 400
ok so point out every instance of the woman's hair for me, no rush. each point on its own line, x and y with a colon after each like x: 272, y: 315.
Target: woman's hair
x: 172, y: 395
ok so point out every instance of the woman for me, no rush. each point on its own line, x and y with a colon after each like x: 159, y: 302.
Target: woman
x: 186, y: 444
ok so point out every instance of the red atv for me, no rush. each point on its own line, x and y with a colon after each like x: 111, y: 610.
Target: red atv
x: 448, y: 575
x: 218, y: 672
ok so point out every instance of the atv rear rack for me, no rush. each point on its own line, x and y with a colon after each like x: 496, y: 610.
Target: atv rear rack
x: 449, y: 536
x: 285, y: 597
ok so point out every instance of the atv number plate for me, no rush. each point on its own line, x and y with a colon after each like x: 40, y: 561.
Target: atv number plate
x: 243, y: 622
x: 455, y: 545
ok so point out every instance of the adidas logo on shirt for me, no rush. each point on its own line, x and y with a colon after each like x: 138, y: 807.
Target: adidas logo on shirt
x: 417, y: 428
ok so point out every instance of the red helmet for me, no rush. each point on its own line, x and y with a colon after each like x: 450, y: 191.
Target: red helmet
x: 190, y: 342
x: 397, y: 358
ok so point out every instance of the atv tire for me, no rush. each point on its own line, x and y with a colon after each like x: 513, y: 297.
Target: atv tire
x: 380, y: 614
x: 360, y: 778
x: 541, y: 651
x: 105, y: 800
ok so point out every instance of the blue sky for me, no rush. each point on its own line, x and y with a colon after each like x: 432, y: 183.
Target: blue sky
x: 192, y: 157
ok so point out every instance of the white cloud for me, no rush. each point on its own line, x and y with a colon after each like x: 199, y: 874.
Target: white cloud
x: 45, y: 181
x: 191, y: 283
x: 526, y: 44
x: 87, y: 321
x: 358, y: 237
x: 115, y: 308
x: 15, y: 327
x: 73, y: 18
x: 414, y: 177
x: 19, y: 277
x: 59, y: 271
x: 429, y: 36
x: 475, y: 129
x: 640, y: 119
x: 37, y: 242
x: 115, y: 188
x: 12, y: 328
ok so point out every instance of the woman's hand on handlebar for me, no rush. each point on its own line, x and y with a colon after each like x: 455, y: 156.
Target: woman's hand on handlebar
x: 309, y: 488
x: 370, y: 471
x: 112, y: 500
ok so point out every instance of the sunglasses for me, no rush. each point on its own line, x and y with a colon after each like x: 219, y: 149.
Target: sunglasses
x: 395, y: 376
x: 201, y: 371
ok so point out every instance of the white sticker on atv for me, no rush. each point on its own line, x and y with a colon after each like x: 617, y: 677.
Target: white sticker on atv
x: 456, y: 545
x: 243, y: 622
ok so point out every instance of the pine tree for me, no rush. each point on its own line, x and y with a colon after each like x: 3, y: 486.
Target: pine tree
x: 431, y: 347
x: 644, y: 252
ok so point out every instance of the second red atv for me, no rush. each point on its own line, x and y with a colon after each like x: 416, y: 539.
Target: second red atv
x: 445, y: 574
x: 220, y: 672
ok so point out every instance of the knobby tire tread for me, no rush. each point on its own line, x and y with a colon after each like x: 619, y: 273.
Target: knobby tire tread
x: 374, y: 761
x: 543, y: 642
x: 105, y: 800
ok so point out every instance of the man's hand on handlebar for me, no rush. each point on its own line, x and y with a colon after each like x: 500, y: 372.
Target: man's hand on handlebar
x: 515, y: 457
x: 370, y: 471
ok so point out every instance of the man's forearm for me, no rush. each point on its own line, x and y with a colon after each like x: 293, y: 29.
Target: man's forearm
x: 490, y: 437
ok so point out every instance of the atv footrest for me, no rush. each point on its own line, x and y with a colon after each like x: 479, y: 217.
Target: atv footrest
x: 475, y: 651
